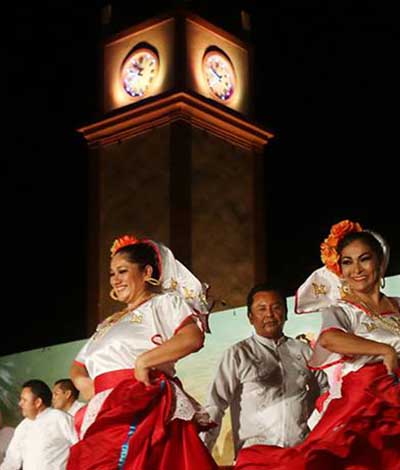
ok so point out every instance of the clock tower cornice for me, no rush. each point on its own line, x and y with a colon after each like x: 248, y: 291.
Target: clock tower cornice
x: 140, y: 118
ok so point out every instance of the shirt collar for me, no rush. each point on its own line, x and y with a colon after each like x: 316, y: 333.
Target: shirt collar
x: 271, y: 343
x: 42, y: 413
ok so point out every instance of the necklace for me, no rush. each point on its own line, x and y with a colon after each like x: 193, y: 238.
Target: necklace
x: 106, y: 324
x: 110, y: 321
x: 391, y: 324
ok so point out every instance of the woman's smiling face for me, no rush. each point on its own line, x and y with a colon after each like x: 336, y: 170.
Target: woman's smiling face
x: 360, y: 266
x: 127, y: 279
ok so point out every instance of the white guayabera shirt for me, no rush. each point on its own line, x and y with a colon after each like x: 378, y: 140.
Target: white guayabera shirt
x: 42, y: 443
x: 269, y: 389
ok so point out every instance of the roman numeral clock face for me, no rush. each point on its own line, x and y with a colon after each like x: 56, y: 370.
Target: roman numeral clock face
x: 139, y: 71
x: 219, y: 74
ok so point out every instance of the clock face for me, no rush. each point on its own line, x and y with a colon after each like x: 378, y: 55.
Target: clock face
x: 139, y: 71
x: 219, y: 74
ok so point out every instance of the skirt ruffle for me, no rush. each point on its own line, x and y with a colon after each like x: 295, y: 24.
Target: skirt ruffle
x: 132, y: 431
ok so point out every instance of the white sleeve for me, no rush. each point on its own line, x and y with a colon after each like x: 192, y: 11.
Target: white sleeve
x: 332, y: 318
x: 13, y: 459
x: 336, y: 318
x: 221, y: 393
x: 171, y: 313
x: 81, y: 356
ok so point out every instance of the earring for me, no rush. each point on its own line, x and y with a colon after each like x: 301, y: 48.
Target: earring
x: 383, y: 282
x: 345, y: 289
x: 152, y: 281
x: 113, y: 295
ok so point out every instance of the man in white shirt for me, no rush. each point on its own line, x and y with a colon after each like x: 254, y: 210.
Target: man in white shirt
x: 6, y: 434
x: 265, y: 380
x: 43, y: 438
x: 65, y: 396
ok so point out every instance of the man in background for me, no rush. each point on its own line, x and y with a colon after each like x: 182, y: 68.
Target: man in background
x: 264, y: 380
x: 65, y: 396
x: 43, y: 438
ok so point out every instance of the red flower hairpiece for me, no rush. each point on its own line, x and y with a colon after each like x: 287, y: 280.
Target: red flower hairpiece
x: 119, y: 243
x: 329, y: 255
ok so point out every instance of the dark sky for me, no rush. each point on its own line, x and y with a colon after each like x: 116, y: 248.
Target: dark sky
x: 326, y: 84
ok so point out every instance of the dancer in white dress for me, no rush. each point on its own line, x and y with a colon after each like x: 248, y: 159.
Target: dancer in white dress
x: 138, y: 411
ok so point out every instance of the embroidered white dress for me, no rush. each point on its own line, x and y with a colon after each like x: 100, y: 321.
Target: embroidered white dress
x: 117, y: 347
x: 352, y: 318
x: 149, y: 325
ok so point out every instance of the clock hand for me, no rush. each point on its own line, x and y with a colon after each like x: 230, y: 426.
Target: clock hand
x: 139, y: 70
x: 216, y: 75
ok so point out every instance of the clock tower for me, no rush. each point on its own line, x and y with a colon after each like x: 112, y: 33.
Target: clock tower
x: 176, y: 157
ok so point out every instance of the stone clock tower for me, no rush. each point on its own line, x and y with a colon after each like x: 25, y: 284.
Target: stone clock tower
x: 176, y: 157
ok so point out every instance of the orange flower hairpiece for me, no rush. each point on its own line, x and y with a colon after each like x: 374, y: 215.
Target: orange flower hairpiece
x: 329, y: 255
x: 119, y: 243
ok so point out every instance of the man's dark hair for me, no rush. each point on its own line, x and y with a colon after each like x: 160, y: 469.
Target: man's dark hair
x: 264, y: 287
x: 67, y: 384
x: 40, y: 390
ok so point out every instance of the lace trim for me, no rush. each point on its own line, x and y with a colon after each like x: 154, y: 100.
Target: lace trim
x: 93, y: 409
x: 187, y: 408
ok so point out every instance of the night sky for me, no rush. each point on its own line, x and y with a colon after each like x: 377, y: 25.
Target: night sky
x: 326, y: 84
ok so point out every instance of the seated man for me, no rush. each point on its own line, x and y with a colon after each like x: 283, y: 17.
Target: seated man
x: 265, y: 380
x: 41, y: 440
x: 65, y: 396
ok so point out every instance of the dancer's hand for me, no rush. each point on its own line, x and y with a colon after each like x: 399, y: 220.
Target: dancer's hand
x: 390, y: 359
x: 142, y: 372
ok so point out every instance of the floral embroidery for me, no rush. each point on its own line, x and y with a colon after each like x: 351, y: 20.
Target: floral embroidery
x: 319, y: 289
x: 370, y: 327
x: 136, y: 318
x: 189, y: 294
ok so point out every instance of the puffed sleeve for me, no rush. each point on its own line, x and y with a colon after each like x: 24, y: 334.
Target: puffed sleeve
x: 333, y: 318
x: 172, y: 313
x: 80, y: 358
x: 336, y: 318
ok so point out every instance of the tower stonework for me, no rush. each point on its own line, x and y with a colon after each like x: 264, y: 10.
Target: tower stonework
x: 175, y: 156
